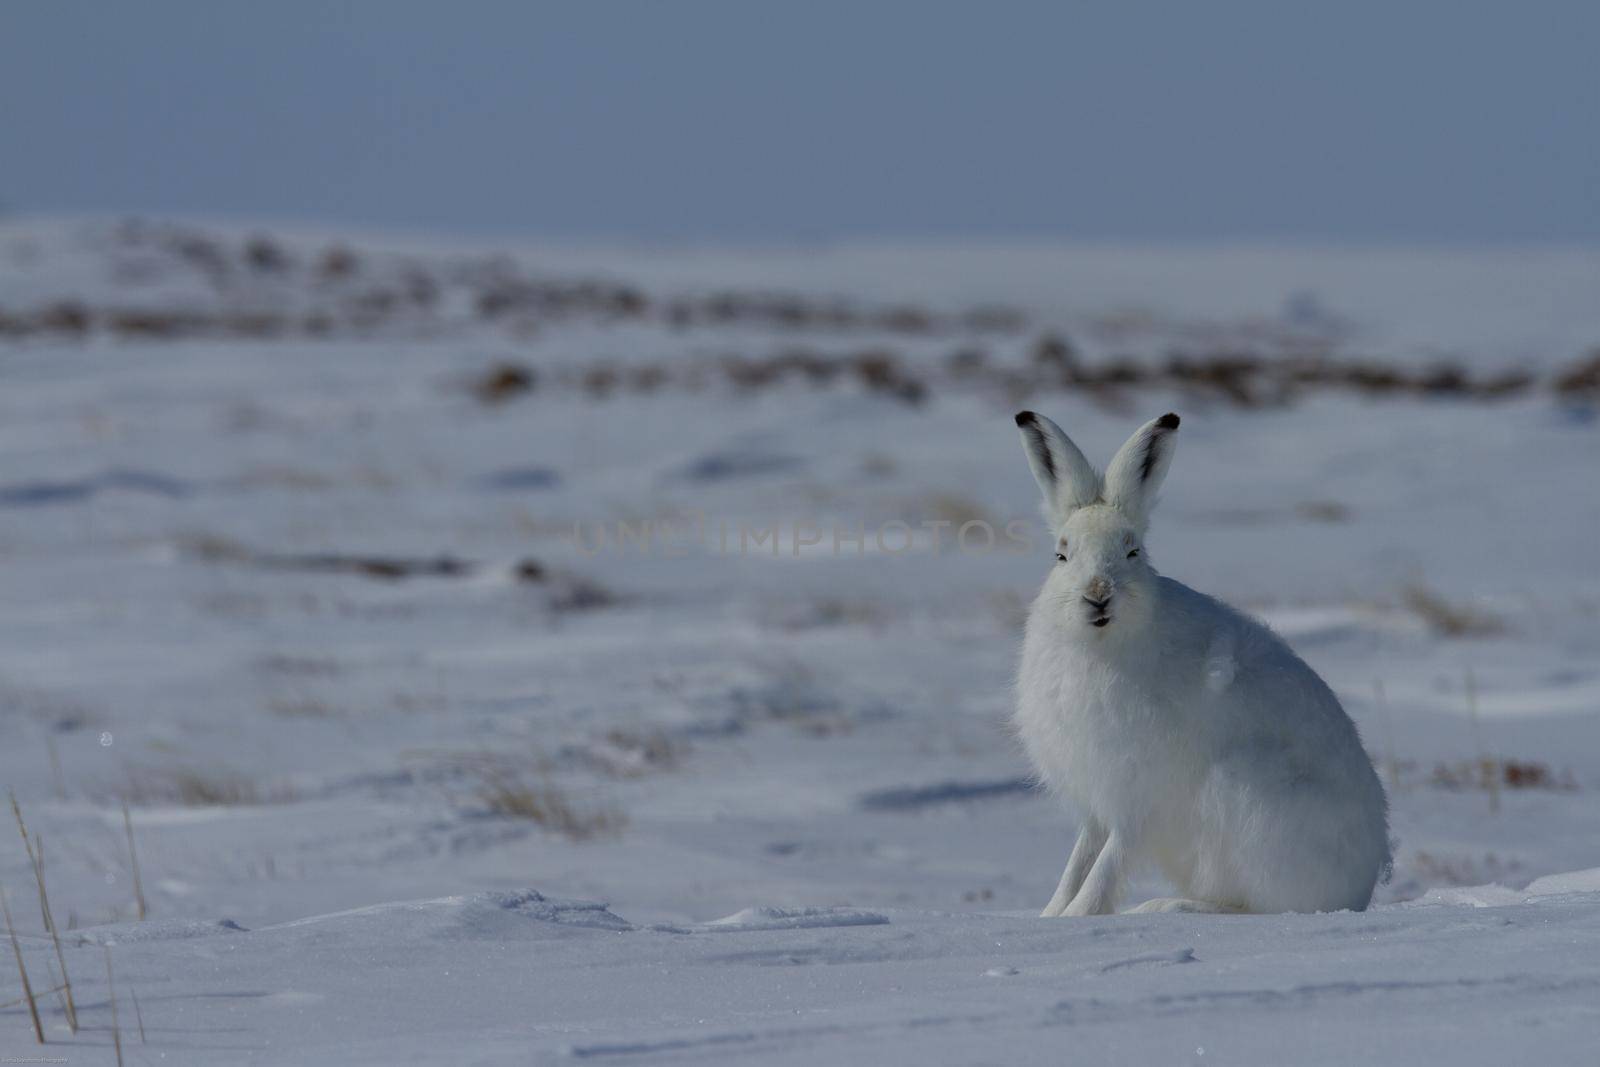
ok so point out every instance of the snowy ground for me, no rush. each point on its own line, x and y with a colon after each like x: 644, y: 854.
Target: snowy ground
x: 780, y: 817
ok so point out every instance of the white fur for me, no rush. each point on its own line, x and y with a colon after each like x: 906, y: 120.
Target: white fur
x: 1187, y: 733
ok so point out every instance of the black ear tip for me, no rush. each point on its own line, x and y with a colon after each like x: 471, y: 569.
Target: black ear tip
x: 1025, y: 418
x: 1169, y: 421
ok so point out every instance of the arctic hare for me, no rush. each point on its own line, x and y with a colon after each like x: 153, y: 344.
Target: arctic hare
x: 1185, y: 732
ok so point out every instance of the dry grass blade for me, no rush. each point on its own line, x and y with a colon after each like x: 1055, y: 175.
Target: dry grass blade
x: 13, y: 1003
x: 36, y: 858
x: 55, y: 768
x: 1489, y: 770
x: 133, y: 860
x: 55, y: 985
x: 111, y: 994
x: 138, y: 1016
x: 16, y: 950
x: 1390, y: 761
x: 33, y: 860
x: 70, y: 1008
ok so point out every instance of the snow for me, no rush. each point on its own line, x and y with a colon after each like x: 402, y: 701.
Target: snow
x: 487, y: 978
x: 797, y: 827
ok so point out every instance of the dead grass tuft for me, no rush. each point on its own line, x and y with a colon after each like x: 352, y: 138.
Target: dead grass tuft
x: 302, y: 707
x: 504, y: 793
x: 1581, y: 380
x: 827, y: 612
x: 504, y: 381
x: 623, y: 753
x: 298, y: 666
x: 1489, y: 772
x: 509, y: 788
x: 1450, y: 619
x: 214, y: 548
x: 1464, y: 870
x: 1322, y: 511
x: 956, y: 509
x: 188, y: 787
x: 1009, y: 609
x: 573, y: 592
x: 218, y: 548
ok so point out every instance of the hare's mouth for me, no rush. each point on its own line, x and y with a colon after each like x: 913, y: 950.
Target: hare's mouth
x: 1099, y: 611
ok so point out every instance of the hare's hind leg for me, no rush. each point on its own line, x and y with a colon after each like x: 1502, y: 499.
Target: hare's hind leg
x: 1091, y: 839
x: 1190, y: 907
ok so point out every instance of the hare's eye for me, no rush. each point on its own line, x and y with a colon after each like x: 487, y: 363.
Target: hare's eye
x: 1060, y: 558
x: 1135, y: 552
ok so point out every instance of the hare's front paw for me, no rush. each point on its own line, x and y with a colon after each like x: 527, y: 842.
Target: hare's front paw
x: 1087, y: 904
x: 1187, y: 907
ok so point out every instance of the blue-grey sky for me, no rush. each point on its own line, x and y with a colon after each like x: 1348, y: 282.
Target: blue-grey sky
x: 1396, y: 122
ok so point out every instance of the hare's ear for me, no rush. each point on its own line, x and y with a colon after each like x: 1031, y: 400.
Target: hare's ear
x: 1064, y: 476
x: 1138, y: 468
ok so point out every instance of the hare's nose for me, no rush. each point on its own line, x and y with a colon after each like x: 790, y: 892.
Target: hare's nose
x: 1098, y: 592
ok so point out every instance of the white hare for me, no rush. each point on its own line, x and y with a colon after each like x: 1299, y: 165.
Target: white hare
x: 1185, y: 732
